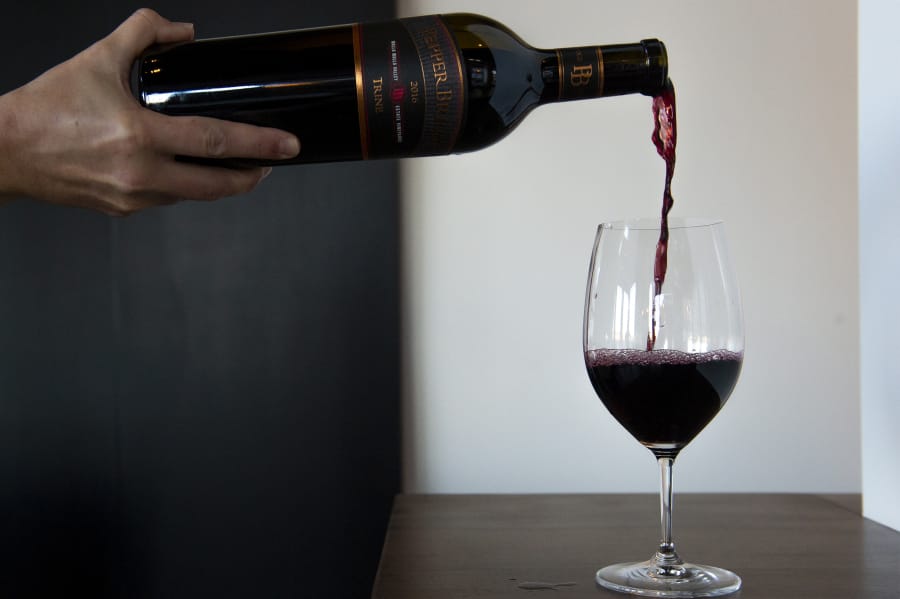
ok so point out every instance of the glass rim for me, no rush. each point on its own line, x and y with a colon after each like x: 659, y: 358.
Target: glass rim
x: 652, y: 223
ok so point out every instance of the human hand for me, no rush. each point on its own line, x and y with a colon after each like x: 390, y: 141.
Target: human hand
x: 77, y: 136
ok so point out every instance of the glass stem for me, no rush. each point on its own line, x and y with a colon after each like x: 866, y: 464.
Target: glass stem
x: 666, y: 559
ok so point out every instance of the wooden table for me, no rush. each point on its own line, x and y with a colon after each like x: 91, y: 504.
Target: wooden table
x: 499, y: 546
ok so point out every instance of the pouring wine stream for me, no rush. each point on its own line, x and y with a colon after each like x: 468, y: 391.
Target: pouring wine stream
x: 664, y: 138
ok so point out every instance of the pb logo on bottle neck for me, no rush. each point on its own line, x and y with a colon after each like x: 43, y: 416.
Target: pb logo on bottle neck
x: 580, y: 73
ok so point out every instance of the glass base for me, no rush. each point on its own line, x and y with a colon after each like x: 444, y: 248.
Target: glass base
x: 646, y: 579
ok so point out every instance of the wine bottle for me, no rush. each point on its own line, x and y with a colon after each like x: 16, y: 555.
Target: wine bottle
x: 418, y: 86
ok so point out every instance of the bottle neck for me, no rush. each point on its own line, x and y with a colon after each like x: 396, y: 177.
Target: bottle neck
x: 611, y: 70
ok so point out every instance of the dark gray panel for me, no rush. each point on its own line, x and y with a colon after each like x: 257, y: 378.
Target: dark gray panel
x: 57, y: 439
x: 201, y: 399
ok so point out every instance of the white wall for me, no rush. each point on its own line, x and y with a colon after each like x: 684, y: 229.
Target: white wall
x: 879, y: 218
x: 497, y: 244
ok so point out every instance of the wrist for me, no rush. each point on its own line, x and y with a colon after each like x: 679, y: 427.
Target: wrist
x: 10, y: 183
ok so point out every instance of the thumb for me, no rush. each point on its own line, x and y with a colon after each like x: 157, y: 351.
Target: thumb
x: 143, y: 29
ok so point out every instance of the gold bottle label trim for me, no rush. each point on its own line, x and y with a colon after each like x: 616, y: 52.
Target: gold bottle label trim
x: 360, y: 99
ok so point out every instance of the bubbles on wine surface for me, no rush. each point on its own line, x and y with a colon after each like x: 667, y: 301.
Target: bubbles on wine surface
x: 659, y: 357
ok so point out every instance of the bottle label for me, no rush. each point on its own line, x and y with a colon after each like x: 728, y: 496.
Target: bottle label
x: 580, y: 72
x: 409, y: 86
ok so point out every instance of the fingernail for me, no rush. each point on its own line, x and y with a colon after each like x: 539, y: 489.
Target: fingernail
x: 266, y: 172
x: 289, y: 147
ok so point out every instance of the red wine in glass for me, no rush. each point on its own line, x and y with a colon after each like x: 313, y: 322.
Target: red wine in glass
x: 640, y: 389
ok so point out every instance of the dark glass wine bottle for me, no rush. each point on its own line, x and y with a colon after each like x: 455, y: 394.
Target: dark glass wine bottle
x: 420, y: 86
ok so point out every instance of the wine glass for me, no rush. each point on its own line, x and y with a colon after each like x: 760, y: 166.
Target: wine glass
x: 663, y: 353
